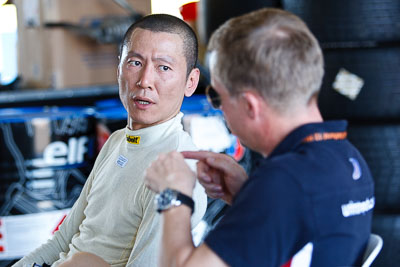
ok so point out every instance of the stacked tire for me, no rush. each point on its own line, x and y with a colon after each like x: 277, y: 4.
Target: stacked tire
x: 362, y: 37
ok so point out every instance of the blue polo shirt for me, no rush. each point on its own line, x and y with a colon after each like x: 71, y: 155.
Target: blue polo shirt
x: 308, y: 204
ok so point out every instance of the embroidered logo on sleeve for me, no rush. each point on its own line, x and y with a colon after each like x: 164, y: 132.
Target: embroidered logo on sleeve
x: 358, y: 207
x: 133, y: 139
x: 121, y: 161
x: 356, y: 168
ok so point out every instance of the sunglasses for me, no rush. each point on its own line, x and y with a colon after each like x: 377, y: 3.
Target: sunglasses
x: 213, y: 97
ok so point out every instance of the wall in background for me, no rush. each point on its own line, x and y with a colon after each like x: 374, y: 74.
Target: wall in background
x: 8, y: 43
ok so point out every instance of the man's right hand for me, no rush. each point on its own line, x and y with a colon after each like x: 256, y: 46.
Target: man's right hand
x: 220, y: 175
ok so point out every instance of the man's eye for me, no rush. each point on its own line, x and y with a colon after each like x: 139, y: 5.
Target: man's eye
x: 164, y: 68
x: 134, y: 62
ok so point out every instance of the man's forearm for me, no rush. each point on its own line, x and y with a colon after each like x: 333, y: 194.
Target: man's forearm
x: 177, y: 244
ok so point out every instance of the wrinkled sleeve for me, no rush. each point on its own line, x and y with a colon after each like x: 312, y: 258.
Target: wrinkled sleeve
x: 148, y: 235
x: 147, y: 243
x: 199, y: 197
x: 49, y: 251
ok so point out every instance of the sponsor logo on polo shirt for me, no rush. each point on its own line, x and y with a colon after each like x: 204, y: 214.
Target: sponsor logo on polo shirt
x: 357, y: 208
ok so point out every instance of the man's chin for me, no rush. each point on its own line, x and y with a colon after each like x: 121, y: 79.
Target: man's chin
x: 140, y: 123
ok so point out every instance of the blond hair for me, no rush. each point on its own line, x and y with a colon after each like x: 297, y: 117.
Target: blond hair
x: 271, y: 51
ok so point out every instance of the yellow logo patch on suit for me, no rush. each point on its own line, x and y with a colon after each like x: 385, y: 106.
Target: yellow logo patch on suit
x: 133, y: 139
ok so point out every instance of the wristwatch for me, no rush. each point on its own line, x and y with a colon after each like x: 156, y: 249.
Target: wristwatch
x: 172, y: 198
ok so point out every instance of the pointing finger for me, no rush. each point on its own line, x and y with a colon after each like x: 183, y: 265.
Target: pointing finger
x: 199, y: 155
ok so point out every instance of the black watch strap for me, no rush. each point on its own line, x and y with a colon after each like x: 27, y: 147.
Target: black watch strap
x: 186, y: 200
x: 172, y: 198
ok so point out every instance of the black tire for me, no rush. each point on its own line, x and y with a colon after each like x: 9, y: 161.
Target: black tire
x: 379, y: 97
x: 388, y: 227
x: 380, y: 146
x: 213, y: 13
x: 349, y: 21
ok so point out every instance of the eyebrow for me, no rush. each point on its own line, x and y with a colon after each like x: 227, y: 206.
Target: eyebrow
x: 134, y: 54
x: 166, y: 59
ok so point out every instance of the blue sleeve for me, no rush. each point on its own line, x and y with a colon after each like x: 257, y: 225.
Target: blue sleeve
x: 268, y: 223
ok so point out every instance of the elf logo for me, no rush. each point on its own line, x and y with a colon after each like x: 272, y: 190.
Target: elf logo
x: 59, y: 153
x: 132, y: 139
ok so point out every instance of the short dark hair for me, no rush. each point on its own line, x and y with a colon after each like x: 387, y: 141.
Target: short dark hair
x: 169, y: 24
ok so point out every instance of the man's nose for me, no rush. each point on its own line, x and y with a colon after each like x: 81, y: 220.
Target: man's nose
x: 146, y: 79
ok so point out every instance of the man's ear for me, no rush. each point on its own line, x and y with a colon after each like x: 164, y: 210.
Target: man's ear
x: 192, y: 82
x: 252, y: 105
x: 119, y: 64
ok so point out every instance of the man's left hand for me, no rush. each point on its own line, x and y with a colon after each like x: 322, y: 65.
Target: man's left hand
x: 170, y: 171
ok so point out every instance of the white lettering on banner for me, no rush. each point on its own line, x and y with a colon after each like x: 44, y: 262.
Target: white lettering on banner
x: 21, y: 234
x: 59, y: 153
x: 357, y: 208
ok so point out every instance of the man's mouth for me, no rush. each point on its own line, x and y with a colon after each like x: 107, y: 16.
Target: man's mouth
x: 143, y: 102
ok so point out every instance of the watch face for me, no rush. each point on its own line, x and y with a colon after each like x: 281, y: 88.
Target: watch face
x: 164, y: 199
